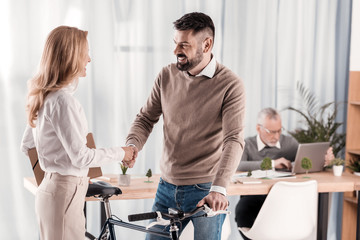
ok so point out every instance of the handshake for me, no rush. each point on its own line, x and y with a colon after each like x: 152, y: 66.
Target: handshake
x: 131, y: 153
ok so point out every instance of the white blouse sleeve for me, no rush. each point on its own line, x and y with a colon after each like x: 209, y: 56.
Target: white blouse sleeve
x: 70, y: 125
x: 27, y: 141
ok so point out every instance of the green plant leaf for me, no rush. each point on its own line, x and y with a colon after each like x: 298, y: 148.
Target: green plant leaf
x: 320, y: 121
x: 337, y: 162
x: 123, y: 168
x: 306, y: 163
x: 266, y: 164
x: 149, y: 173
x: 354, y: 165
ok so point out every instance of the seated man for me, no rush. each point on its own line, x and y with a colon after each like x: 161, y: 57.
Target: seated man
x: 269, y: 142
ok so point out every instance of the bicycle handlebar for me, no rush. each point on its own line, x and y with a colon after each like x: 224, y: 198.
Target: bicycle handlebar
x: 142, y: 216
x: 175, y: 214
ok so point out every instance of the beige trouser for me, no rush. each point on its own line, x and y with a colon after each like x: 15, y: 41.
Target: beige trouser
x: 59, y: 205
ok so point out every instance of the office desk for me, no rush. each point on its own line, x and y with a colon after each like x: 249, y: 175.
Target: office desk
x: 327, y: 183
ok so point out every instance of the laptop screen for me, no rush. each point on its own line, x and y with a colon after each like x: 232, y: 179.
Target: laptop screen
x: 314, y: 151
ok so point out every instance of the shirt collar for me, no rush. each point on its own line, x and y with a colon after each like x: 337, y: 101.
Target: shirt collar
x: 262, y: 145
x: 209, y: 70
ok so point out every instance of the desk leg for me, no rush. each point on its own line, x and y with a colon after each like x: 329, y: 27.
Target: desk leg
x: 358, y: 218
x: 322, y: 216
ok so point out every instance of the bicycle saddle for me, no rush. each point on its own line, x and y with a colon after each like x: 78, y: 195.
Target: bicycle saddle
x: 102, y: 189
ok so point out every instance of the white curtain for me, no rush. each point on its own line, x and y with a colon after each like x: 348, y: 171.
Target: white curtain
x: 270, y: 44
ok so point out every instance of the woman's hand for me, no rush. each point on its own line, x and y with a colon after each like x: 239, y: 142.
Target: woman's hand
x: 130, y: 156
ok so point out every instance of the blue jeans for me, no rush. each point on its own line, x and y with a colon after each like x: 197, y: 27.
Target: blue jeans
x: 185, y: 198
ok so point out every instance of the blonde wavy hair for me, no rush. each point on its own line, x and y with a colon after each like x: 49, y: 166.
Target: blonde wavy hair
x: 60, y: 65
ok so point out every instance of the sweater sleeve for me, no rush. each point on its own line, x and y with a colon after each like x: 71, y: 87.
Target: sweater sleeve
x: 246, y: 163
x: 233, y: 111
x: 291, y: 147
x: 147, y: 117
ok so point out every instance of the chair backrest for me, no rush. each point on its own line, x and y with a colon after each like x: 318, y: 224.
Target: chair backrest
x: 39, y: 173
x: 289, y: 212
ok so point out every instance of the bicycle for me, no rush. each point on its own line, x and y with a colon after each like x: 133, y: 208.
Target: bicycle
x: 104, y: 191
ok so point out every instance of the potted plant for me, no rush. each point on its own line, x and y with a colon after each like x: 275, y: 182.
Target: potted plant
x: 306, y: 164
x: 149, y: 175
x: 320, y: 121
x: 266, y: 165
x: 124, y: 179
x: 338, y: 166
x: 354, y: 165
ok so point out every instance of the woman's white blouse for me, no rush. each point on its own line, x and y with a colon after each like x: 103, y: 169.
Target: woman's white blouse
x: 60, y: 138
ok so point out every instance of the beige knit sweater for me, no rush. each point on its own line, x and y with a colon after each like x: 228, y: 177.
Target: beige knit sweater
x: 203, y: 125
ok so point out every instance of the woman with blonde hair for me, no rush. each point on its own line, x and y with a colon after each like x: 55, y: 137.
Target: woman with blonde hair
x: 57, y: 127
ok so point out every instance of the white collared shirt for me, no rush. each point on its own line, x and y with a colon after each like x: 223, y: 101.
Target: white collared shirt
x: 60, y: 137
x: 209, y: 70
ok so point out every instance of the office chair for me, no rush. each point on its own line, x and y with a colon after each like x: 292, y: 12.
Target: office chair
x: 289, y: 212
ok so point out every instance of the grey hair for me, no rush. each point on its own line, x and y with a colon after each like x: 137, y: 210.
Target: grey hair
x: 267, y: 113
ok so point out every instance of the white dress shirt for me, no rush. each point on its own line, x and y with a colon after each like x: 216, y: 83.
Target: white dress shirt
x: 210, y: 69
x: 60, y: 138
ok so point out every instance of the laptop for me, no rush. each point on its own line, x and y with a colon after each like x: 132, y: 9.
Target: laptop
x: 314, y: 151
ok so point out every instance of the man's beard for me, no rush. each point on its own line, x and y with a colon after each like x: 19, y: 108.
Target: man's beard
x: 271, y: 144
x: 191, y: 63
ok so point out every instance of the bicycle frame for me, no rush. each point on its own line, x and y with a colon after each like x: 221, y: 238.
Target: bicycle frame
x: 173, y: 217
x: 110, y: 223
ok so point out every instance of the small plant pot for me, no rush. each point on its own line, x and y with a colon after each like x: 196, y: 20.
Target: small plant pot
x: 338, y: 170
x: 124, y: 180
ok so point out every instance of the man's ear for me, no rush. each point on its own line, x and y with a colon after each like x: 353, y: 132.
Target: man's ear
x: 258, y: 128
x: 207, y: 45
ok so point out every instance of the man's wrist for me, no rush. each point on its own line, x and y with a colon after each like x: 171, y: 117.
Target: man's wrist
x: 218, y: 189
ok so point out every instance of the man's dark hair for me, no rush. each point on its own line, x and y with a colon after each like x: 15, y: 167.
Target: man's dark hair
x: 196, y: 21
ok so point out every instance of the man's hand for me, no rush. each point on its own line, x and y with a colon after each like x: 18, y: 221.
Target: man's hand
x: 329, y: 156
x: 282, y: 163
x: 136, y: 150
x: 130, y: 156
x: 215, y: 200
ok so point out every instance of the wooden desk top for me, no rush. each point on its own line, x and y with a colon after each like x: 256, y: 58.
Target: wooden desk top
x: 327, y: 182
x: 139, y: 189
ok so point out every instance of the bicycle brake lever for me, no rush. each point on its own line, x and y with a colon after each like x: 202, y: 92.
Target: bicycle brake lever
x: 210, y: 213
x: 159, y: 221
